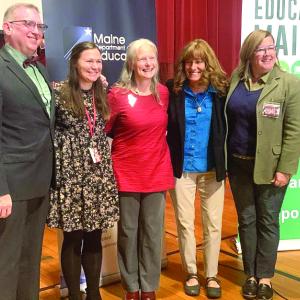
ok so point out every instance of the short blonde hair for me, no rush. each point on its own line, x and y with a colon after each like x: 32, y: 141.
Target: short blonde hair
x: 11, y: 9
x: 127, y: 77
x: 250, y: 44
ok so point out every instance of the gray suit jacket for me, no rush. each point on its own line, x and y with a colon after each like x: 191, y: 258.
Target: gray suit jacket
x: 26, y: 133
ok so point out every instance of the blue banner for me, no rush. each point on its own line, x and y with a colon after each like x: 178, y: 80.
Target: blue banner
x: 112, y: 25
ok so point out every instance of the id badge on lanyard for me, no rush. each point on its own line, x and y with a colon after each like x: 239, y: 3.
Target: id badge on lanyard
x: 95, y: 154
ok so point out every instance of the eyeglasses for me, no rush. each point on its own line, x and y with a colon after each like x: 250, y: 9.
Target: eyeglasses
x: 31, y: 25
x: 264, y: 50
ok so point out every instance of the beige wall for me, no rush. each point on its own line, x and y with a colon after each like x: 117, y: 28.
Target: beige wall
x: 6, y: 3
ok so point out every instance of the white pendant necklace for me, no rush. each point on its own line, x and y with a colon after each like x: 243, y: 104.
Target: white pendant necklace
x: 199, y: 108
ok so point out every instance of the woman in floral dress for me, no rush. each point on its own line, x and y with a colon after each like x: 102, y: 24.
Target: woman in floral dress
x: 84, y: 201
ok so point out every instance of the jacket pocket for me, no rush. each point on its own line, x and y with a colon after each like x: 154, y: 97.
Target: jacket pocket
x: 11, y: 158
x: 276, y: 149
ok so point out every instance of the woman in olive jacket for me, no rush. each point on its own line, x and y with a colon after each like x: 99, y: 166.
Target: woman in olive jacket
x: 263, y: 148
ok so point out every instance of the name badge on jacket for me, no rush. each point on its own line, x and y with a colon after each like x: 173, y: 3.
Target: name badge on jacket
x: 271, y: 110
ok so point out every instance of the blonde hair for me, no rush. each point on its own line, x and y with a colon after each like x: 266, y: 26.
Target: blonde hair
x: 11, y: 9
x: 213, y: 73
x: 250, y: 44
x: 127, y: 77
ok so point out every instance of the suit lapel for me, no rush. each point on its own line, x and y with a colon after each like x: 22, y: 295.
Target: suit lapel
x: 13, y: 66
x: 180, y: 112
x: 234, y: 82
x: 42, y: 70
x: 270, y: 85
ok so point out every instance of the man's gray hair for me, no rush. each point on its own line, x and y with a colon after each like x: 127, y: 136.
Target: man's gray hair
x: 11, y: 9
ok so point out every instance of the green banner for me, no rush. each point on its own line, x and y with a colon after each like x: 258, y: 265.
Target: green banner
x: 289, y: 218
x: 290, y: 213
x: 281, y: 18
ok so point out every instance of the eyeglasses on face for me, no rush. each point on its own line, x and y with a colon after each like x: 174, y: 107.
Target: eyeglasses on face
x: 264, y: 50
x: 31, y: 25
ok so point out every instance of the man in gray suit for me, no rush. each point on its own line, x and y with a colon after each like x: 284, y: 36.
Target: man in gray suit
x: 26, y: 153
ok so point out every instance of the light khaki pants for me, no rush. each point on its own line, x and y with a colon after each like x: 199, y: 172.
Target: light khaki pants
x: 212, y: 201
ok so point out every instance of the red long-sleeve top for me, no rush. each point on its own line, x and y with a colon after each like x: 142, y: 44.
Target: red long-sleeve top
x: 140, y: 154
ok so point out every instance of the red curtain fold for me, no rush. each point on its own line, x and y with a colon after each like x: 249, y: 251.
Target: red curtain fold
x: 180, y: 21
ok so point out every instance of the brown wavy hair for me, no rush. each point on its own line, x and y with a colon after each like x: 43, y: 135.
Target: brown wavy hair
x: 71, y: 94
x: 213, y: 73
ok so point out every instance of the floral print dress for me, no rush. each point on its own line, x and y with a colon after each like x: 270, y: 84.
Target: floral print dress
x: 85, y: 196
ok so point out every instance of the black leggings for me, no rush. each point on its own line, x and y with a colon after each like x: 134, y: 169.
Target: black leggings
x: 82, y: 248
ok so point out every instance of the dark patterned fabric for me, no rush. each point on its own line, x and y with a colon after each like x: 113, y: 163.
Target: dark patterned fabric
x: 85, y: 196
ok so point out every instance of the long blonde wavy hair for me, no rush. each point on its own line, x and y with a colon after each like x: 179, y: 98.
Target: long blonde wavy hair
x: 127, y: 77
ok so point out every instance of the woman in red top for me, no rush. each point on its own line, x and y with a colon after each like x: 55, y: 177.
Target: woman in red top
x: 142, y: 167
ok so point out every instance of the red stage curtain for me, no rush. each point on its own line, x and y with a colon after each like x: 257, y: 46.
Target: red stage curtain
x: 180, y: 21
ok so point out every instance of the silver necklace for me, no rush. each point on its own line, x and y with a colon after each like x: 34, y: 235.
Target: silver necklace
x: 199, y: 108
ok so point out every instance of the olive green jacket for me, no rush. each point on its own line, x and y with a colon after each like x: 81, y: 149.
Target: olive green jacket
x: 278, y: 138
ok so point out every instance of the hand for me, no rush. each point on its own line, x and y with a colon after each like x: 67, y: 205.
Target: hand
x: 5, y: 206
x: 281, y: 179
x: 104, y: 81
